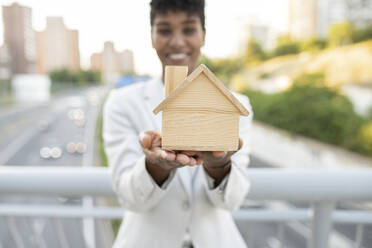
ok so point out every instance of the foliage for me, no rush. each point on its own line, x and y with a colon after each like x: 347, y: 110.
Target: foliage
x: 81, y: 77
x: 102, y: 153
x: 62, y: 75
x: 89, y: 76
x: 313, y: 44
x: 223, y: 68
x: 254, y: 52
x: 362, y: 34
x: 285, y: 46
x: 5, y: 93
x: 264, y: 75
x: 341, y: 34
x: 365, y: 136
x: 312, y: 109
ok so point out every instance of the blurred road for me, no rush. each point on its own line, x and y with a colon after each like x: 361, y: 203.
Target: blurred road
x: 60, y: 133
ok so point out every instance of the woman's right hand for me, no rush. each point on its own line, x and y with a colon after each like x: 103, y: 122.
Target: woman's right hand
x: 166, y: 160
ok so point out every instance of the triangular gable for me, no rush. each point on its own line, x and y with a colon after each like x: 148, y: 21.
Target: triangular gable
x: 202, y: 68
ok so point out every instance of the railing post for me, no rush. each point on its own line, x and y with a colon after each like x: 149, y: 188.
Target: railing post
x: 322, y: 224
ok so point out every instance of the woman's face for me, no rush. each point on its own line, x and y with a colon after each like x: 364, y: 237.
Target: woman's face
x: 177, y: 38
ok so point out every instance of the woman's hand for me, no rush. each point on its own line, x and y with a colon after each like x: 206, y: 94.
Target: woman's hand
x: 160, y: 162
x: 218, y: 163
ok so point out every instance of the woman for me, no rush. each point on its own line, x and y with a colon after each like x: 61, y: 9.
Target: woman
x: 172, y: 199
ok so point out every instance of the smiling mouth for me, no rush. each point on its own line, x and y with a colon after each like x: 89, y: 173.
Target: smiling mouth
x: 177, y: 56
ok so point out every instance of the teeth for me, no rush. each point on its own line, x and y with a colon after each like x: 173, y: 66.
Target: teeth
x: 177, y: 56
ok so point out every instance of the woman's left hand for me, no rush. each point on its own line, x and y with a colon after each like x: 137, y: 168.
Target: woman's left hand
x: 217, y: 159
x: 218, y: 163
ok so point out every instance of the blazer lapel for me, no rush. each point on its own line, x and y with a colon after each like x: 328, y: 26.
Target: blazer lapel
x: 153, y: 95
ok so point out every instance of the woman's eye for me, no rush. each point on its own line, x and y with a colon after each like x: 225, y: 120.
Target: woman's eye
x: 189, y: 31
x: 164, y: 32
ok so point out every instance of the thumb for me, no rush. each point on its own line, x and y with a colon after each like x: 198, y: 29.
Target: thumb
x: 145, y: 140
x: 149, y: 138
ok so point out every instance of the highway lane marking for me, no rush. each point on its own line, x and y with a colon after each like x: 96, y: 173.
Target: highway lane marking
x: 17, y: 144
x: 14, y: 232
x: 61, y: 233
x: 20, y: 141
x: 336, y: 239
x: 273, y: 242
x: 38, y: 227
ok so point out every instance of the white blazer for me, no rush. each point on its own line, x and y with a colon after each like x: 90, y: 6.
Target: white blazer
x: 156, y: 216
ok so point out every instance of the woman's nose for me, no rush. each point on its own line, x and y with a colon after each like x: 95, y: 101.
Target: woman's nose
x: 177, y: 41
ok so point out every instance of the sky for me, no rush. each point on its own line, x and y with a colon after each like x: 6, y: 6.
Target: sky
x: 126, y: 23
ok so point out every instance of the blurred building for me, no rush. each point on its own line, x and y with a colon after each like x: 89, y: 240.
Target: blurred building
x: 263, y: 34
x: 302, y: 18
x: 96, y: 61
x: 5, y: 63
x: 309, y: 18
x: 111, y: 63
x: 19, y: 38
x: 126, y: 62
x: 57, y: 47
x: 360, y: 12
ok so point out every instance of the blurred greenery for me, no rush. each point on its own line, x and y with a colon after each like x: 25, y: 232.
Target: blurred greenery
x: 341, y: 34
x: 313, y: 44
x: 254, y: 52
x: 286, y: 45
x: 362, y: 34
x: 224, y: 68
x: 312, y: 109
x: 101, y: 148
x: 79, y: 78
x: 5, y: 93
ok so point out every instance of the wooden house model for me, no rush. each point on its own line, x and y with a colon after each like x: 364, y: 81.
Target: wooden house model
x: 199, y: 112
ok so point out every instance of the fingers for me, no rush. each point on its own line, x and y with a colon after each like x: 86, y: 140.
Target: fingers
x: 240, y: 143
x: 151, y: 144
x: 145, y: 140
x: 199, y: 160
x: 219, y: 154
x: 189, y: 153
x: 182, y: 158
x: 149, y: 139
x: 192, y: 161
x: 160, y: 153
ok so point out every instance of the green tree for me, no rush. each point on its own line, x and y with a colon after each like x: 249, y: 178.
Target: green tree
x: 312, y: 109
x: 224, y: 68
x: 341, y: 34
x: 254, y: 52
x: 285, y: 46
x: 313, y: 44
x: 89, y: 77
x: 63, y: 75
x: 362, y: 34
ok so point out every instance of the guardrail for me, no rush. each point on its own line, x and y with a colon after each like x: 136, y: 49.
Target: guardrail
x: 321, y: 187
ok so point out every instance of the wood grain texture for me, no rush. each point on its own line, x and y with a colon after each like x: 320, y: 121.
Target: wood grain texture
x: 209, y: 77
x: 201, y: 94
x: 174, y: 76
x: 200, y: 131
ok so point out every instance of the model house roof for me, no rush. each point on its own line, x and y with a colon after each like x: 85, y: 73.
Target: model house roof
x: 213, y: 79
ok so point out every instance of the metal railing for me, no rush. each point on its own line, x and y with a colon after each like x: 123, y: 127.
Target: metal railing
x: 322, y: 188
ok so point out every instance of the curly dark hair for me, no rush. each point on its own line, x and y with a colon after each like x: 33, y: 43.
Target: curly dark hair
x: 189, y: 6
